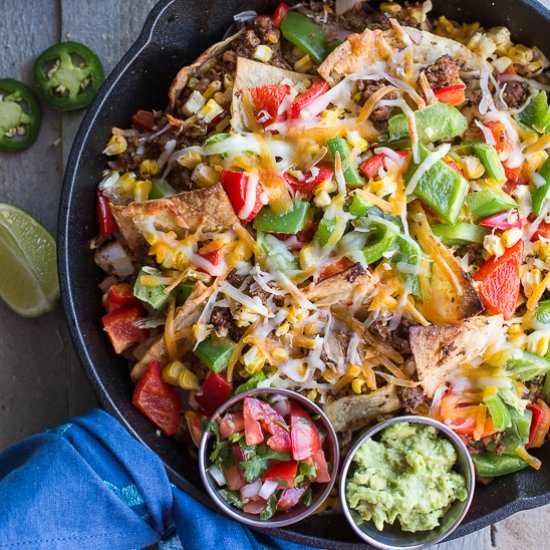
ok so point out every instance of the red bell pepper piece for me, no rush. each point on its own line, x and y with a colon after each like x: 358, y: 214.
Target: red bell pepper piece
x: 513, y: 178
x: 499, y: 134
x: 157, y: 400
x: 267, y: 100
x: 540, y: 424
x: 214, y: 392
x: 454, y: 166
x: 312, y: 178
x: 453, y: 95
x: 543, y: 230
x: 333, y: 269
x: 279, y: 14
x: 106, y: 221
x: 498, y: 281
x: 143, y: 119
x: 303, y: 433
x: 295, y: 242
x: 372, y: 166
x: 236, y: 185
x: 282, y: 472
x: 290, y: 497
x: 316, y: 90
x: 120, y: 296
x: 503, y: 221
x: 121, y: 329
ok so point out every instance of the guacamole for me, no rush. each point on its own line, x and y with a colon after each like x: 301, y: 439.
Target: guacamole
x: 407, y: 475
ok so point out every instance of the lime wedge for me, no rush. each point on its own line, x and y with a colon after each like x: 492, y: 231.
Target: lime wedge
x: 28, y: 270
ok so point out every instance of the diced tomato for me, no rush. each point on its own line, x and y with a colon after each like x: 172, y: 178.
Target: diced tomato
x: 499, y: 282
x: 157, y: 400
x: 252, y: 412
x: 231, y: 423
x: 214, y: 392
x: 121, y: 328
x: 321, y: 466
x: 303, y: 433
x: 499, y: 135
x: 279, y: 14
x: 105, y: 219
x: 267, y: 100
x: 372, y: 166
x: 214, y: 257
x: 543, y: 230
x: 333, y: 269
x: 316, y: 90
x: 143, y: 119
x: 120, y: 296
x: 312, y: 178
x: 254, y: 506
x: 290, y: 497
x: 282, y: 472
x: 237, y: 186
x: 453, y: 95
x: 540, y: 424
x: 454, y: 166
x: 194, y: 426
x: 503, y: 221
x: 233, y: 477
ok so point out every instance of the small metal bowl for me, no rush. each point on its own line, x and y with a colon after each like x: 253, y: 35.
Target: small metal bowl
x: 320, y: 491
x: 392, y: 537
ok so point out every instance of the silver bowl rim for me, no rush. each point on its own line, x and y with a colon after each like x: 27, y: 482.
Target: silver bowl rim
x: 271, y: 523
x: 459, y: 445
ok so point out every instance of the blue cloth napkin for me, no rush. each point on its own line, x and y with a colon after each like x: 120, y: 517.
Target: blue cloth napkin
x: 90, y: 485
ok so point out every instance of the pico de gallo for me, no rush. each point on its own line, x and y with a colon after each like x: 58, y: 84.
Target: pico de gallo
x: 268, y: 457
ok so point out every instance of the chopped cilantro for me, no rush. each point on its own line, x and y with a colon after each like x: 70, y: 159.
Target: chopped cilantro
x: 305, y: 472
x: 270, y: 508
x: 307, y: 497
x: 257, y: 465
x: 232, y: 497
x: 282, y: 424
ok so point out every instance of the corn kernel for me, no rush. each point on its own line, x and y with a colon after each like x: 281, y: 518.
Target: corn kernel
x: 354, y: 370
x: 471, y: 166
x: 263, y: 53
x: 534, y: 162
x: 220, y: 98
x: 501, y: 38
x: 489, y: 391
x: 357, y: 385
x: 227, y: 81
x: 322, y: 199
x: 303, y: 342
x: 187, y: 380
x: 204, y: 175
x: 530, y: 279
x: 510, y: 237
x: 282, y: 329
x: 312, y: 394
x: 515, y: 329
x: 279, y: 354
x: 171, y: 372
x: 213, y: 87
x: 253, y: 360
x: 306, y: 257
x: 501, y: 63
x: 210, y: 111
x: 189, y: 159
x: 493, y: 245
x: 125, y: 184
x: 310, y: 329
x: 192, y: 83
x: 520, y: 54
x: 194, y: 103
x: 304, y: 64
x: 390, y: 7
x: 356, y: 141
x: 149, y: 168
x: 296, y: 314
x: 116, y: 145
x: 142, y: 188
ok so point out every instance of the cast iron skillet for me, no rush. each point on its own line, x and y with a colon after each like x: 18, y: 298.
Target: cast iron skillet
x: 175, y: 32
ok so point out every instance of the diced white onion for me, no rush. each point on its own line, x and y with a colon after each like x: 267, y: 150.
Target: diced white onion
x: 268, y: 488
x: 251, y: 490
x: 282, y: 406
x: 217, y: 474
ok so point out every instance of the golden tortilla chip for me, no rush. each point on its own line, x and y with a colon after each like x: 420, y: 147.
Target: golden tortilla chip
x: 251, y: 74
x: 185, y: 315
x: 354, y: 412
x: 181, y: 79
x: 439, y: 351
x: 183, y: 213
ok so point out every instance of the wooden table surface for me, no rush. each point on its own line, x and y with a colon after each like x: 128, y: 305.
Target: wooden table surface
x: 41, y: 381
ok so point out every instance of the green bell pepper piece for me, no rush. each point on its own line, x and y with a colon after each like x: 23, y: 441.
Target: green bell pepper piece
x: 493, y: 465
x: 433, y: 123
x: 380, y: 239
x: 324, y: 231
x: 292, y: 222
x: 351, y: 173
x: 542, y: 313
x: 303, y: 32
x: 182, y: 292
x: 441, y: 188
x: 215, y: 352
x: 489, y: 158
x: 160, y: 188
x: 517, y: 435
x: 251, y: 383
x: 278, y: 255
x: 459, y: 234
x: 358, y: 206
x: 406, y: 253
x: 536, y: 114
x: 216, y: 138
x: 540, y: 194
x: 500, y: 414
x: 487, y: 202
x: 526, y: 365
x: 546, y: 389
x: 152, y: 295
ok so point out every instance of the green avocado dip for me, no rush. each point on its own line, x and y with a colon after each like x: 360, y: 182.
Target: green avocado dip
x: 407, y: 475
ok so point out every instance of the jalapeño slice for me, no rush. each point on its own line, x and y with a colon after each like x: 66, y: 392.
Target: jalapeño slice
x: 20, y: 116
x: 68, y: 75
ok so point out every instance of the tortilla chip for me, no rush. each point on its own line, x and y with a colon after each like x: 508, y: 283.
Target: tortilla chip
x: 354, y: 412
x: 251, y: 74
x: 183, y: 213
x: 181, y: 79
x: 358, y: 52
x: 185, y: 315
x: 440, y: 350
